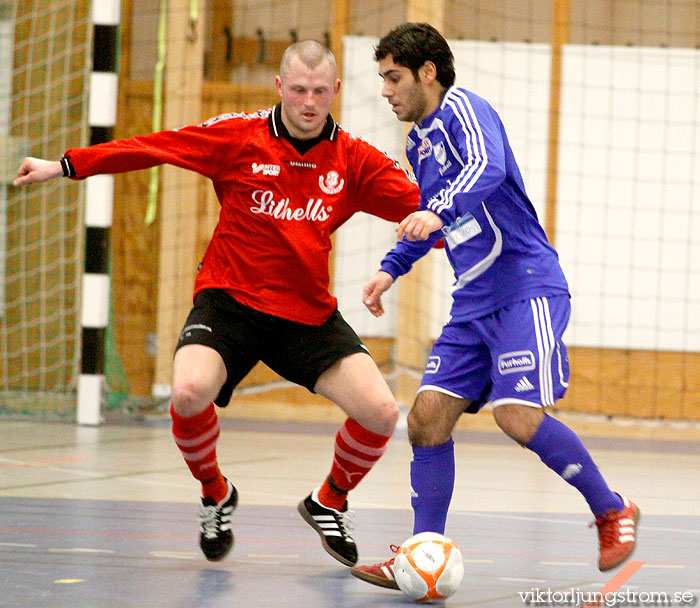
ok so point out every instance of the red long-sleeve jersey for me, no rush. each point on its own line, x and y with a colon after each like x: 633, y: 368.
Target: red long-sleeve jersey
x: 270, y: 249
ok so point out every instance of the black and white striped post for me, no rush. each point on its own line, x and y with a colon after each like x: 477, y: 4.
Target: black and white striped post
x: 99, y: 196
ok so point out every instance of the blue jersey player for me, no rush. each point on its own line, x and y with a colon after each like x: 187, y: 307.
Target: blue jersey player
x: 503, y: 343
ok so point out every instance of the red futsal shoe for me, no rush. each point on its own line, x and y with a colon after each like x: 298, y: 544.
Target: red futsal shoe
x: 378, y: 574
x: 617, y: 534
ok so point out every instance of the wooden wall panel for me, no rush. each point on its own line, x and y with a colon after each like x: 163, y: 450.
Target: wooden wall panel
x: 646, y: 384
x: 134, y: 249
x: 178, y: 190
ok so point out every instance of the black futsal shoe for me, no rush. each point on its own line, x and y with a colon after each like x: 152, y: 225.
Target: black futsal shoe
x: 332, y: 526
x: 216, y: 538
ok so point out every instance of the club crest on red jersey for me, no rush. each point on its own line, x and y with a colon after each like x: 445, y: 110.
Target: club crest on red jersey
x: 332, y: 184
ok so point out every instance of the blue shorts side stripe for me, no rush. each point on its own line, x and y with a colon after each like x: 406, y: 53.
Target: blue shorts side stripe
x: 545, y: 343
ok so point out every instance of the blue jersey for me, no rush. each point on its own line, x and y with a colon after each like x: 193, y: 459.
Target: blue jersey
x: 467, y: 175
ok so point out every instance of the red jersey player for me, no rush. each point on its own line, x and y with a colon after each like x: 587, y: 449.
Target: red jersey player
x: 286, y: 178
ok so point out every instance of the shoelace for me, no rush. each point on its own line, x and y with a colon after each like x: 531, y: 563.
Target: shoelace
x: 607, y: 531
x: 209, y: 521
x: 346, y: 522
x: 388, y: 563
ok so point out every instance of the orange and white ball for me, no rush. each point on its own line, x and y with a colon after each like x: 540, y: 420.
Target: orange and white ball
x: 428, y: 566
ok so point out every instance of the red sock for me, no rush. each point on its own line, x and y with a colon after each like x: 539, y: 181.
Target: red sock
x: 196, y: 437
x: 356, y: 451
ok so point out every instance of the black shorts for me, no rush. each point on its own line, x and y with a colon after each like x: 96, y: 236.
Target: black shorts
x: 243, y: 336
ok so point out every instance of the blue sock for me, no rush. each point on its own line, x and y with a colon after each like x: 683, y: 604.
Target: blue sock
x: 562, y: 451
x: 432, y: 482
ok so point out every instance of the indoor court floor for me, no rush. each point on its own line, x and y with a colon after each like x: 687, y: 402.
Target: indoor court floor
x: 107, y: 517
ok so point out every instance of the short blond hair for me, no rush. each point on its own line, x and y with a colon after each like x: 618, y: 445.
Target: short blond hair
x: 310, y: 53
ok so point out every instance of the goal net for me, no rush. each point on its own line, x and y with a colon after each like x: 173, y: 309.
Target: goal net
x: 44, y: 61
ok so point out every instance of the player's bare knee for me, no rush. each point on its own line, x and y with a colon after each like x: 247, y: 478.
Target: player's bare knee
x: 422, y: 431
x: 519, y: 422
x: 386, y: 417
x: 189, y: 398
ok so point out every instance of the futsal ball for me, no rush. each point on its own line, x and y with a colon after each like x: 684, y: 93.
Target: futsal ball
x: 428, y: 566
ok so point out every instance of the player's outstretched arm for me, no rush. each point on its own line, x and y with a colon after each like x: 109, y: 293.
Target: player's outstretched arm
x: 373, y: 290
x: 35, y: 170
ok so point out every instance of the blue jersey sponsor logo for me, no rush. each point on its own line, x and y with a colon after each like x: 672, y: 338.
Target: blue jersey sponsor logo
x: 425, y: 149
x: 433, y: 365
x: 517, y: 361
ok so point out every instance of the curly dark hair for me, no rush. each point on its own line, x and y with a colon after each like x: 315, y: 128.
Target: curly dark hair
x: 412, y: 44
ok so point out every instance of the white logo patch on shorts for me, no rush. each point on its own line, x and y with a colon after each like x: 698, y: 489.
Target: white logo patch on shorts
x: 433, y: 365
x: 517, y: 361
x: 524, y: 385
x: 187, y: 332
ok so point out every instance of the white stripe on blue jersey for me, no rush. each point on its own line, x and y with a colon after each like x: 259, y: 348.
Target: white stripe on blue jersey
x: 478, y: 158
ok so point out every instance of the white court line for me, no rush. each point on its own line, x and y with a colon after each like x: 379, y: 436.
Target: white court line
x: 79, y: 472
x: 660, y: 529
x: 138, y: 480
x: 521, y: 580
x: 568, y: 521
x: 16, y: 545
x: 273, y: 556
x: 523, y: 518
x: 174, y: 554
x: 565, y: 563
x: 78, y: 550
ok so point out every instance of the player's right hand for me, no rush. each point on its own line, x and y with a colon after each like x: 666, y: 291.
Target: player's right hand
x: 419, y: 225
x: 35, y: 170
x: 373, y: 290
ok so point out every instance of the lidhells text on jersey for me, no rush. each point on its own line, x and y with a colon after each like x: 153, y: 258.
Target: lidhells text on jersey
x: 266, y: 203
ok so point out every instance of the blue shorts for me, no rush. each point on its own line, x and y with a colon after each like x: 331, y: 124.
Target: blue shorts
x: 513, y: 355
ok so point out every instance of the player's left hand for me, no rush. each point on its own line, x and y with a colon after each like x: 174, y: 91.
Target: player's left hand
x: 35, y: 170
x: 418, y: 225
x: 373, y: 290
